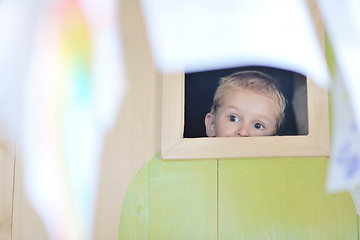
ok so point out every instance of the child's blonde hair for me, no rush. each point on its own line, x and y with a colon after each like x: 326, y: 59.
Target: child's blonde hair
x: 255, y: 81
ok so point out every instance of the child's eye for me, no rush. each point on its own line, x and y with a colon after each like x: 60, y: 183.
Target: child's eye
x: 233, y: 118
x: 259, y: 126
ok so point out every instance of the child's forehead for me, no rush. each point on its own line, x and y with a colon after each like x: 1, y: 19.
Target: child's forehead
x: 241, y: 90
x: 246, y: 91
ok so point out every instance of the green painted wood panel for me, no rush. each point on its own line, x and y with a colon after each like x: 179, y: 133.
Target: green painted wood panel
x: 314, y: 214
x: 281, y: 199
x: 174, y: 200
x: 134, y: 218
x: 236, y: 199
x: 183, y: 201
x: 252, y: 199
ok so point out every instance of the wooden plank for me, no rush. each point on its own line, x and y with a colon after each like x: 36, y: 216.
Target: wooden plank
x: 252, y: 199
x: 136, y: 136
x: 313, y: 214
x: 171, y: 200
x: 281, y: 199
x: 183, y: 200
x: 223, y: 147
x: 26, y: 223
x: 173, y: 100
x: 135, y: 208
x: 7, y: 157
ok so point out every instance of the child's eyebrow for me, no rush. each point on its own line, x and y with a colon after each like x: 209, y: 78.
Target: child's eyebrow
x: 265, y: 119
x: 233, y: 107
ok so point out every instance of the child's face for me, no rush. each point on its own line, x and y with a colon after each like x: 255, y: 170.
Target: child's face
x: 243, y: 113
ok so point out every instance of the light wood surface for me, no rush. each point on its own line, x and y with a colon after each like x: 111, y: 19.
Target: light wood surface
x: 133, y: 141
x: 26, y: 222
x: 177, y: 188
x: 7, y: 158
x: 136, y: 136
x: 172, y: 111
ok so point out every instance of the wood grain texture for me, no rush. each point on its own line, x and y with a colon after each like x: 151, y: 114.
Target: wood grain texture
x: 134, y: 219
x: 26, y: 222
x: 273, y: 146
x: 136, y: 136
x: 133, y: 141
x: 179, y: 198
x: 173, y: 100
x: 7, y: 158
x: 281, y: 199
x: 313, y: 214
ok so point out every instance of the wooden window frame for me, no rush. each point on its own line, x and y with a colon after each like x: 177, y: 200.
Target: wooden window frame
x: 175, y: 146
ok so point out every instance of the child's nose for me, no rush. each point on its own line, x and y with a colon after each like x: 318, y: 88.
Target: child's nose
x: 243, y: 131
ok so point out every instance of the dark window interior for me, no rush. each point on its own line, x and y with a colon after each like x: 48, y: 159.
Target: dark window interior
x: 200, y: 88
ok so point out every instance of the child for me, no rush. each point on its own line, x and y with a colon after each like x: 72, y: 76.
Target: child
x: 246, y: 104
